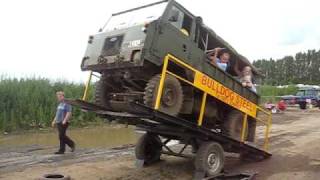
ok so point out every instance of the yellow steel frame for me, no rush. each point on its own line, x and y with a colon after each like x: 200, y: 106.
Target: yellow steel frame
x: 86, y: 89
x: 165, y: 71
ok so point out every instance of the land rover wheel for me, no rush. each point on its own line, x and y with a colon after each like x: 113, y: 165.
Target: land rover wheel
x: 102, y: 91
x: 233, y: 125
x: 172, y: 94
x: 148, y: 148
x: 210, y: 158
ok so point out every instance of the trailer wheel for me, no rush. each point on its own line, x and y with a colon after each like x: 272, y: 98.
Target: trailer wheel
x: 233, y: 125
x: 303, y: 105
x: 172, y: 95
x: 210, y: 158
x: 148, y: 148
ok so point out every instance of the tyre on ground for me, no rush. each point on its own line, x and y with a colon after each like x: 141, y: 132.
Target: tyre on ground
x: 148, y: 148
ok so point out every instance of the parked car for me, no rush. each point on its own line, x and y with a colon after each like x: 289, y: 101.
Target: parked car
x: 308, y: 95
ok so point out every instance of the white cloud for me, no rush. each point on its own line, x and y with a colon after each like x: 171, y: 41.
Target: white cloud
x: 48, y: 38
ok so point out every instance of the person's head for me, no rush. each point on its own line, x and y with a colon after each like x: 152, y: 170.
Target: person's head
x: 224, y: 56
x: 247, y: 70
x: 60, y: 96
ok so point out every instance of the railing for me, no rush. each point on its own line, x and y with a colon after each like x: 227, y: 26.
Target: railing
x: 86, y: 89
x: 252, y: 110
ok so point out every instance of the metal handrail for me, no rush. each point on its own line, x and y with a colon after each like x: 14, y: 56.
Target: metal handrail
x: 165, y: 71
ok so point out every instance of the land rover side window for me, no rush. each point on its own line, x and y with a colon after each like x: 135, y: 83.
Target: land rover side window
x: 180, y: 20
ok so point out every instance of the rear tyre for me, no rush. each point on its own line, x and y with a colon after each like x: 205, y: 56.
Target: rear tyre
x: 172, y: 94
x: 210, y: 158
x: 148, y: 148
x: 233, y: 125
x: 303, y: 105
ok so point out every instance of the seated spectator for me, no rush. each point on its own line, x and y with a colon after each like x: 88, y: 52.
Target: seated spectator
x: 245, y: 76
x: 220, y: 58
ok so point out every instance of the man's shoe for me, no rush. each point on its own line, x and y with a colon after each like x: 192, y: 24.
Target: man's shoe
x: 73, y: 148
x: 59, y: 152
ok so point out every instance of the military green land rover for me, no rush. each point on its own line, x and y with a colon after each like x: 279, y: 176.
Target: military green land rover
x: 128, y: 53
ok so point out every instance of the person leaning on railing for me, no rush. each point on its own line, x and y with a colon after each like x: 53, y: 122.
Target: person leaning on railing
x: 245, y: 76
x: 220, y: 57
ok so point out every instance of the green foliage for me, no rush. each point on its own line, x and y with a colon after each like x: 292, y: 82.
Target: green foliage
x: 31, y: 103
x: 273, y: 93
x: 304, y: 68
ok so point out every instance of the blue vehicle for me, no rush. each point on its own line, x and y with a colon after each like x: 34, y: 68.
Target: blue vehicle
x: 308, y: 95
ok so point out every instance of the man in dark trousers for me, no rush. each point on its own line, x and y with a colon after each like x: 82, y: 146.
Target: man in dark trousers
x: 62, y: 120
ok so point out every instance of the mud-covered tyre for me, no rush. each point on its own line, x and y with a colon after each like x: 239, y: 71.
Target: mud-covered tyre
x: 54, y: 176
x: 102, y: 91
x: 210, y: 158
x: 233, y: 125
x: 303, y: 105
x: 148, y: 148
x: 172, y: 94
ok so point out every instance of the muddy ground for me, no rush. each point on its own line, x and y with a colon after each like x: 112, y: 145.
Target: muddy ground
x: 294, y: 143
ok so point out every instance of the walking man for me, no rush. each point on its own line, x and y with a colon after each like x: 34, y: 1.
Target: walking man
x: 62, y: 120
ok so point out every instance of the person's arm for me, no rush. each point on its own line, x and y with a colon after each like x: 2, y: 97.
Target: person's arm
x: 215, y: 55
x: 67, y: 118
x: 68, y: 114
x: 53, y: 123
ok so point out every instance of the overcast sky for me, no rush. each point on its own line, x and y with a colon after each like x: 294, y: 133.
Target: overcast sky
x: 48, y: 38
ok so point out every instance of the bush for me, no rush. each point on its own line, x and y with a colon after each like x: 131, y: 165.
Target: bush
x: 274, y: 93
x: 31, y: 103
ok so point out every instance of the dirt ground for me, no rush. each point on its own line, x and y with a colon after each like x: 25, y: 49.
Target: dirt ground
x: 294, y: 143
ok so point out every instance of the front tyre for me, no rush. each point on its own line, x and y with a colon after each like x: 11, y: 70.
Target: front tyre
x: 172, y: 94
x: 102, y: 93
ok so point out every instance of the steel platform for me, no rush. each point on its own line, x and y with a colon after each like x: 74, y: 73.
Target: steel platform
x: 150, y: 120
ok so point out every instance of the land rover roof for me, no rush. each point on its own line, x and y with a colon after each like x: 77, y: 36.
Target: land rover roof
x: 221, y: 42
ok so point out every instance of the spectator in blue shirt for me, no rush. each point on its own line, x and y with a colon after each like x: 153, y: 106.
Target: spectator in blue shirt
x: 220, y: 58
x: 62, y: 120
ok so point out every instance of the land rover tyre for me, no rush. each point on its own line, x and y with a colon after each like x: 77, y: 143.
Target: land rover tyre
x: 303, y: 105
x: 148, y: 148
x: 102, y: 92
x: 210, y: 158
x: 172, y: 94
x: 233, y: 125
